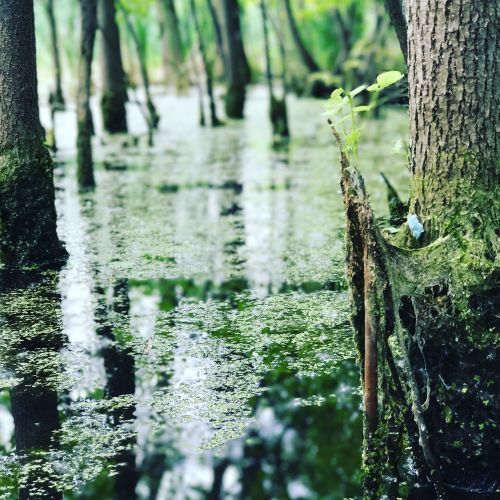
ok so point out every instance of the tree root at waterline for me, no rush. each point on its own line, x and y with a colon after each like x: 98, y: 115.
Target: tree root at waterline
x: 424, y: 320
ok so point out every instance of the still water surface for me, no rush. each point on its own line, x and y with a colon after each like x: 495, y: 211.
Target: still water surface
x: 197, y: 343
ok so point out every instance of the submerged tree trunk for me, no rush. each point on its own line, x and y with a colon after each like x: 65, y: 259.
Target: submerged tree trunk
x: 56, y: 96
x: 238, y: 70
x: 173, y: 47
x: 277, y: 107
x: 152, y: 115
x: 27, y: 212
x: 218, y: 34
x: 305, y: 55
x: 85, y: 167
x: 114, y: 85
x: 206, y: 66
x: 437, y: 291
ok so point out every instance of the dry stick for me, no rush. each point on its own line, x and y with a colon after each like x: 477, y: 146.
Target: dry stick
x: 208, y: 73
x: 371, y: 239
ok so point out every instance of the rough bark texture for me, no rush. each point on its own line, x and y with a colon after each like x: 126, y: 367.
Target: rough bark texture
x: 438, y: 293
x: 27, y: 213
x: 395, y: 10
x: 85, y: 168
x: 56, y: 97
x: 237, y: 65
x: 114, y: 85
x: 305, y: 55
x: 454, y: 88
x: 173, y: 47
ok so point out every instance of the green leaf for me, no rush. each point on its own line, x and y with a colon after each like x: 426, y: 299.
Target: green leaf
x: 361, y: 109
x: 357, y: 90
x: 336, y: 96
x: 352, y: 138
x: 373, y: 88
x: 388, y: 78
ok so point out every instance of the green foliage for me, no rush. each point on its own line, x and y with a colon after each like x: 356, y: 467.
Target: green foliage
x: 342, y: 111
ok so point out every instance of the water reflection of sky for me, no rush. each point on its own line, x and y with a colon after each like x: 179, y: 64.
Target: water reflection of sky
x: 204, y: 350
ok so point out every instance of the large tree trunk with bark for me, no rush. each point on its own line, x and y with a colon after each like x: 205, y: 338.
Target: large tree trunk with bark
x: 85, y: 167
x: 435, y: 293
x: 173, y: 46
x: 56, y: 96
x: 114, y: 85
x: 305, y: 55
x: 27, y: 212
x: 238, y: 70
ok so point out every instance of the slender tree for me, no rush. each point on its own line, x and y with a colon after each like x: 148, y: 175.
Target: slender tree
x: 206, y: 66
x: 238, y: 70
x: 277, y: 107
x: 305, y: 55
x: 114, y: 85
x: 173, y: 46
x: 85, y: 167
x: 56, y: 96
x: 27, y: 212
x: 395, y: 10
x: 152, y: 116
x: 435, y: 284
x: 218, y: 34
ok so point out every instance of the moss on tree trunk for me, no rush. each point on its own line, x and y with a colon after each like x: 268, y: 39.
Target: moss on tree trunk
x: 27, y: 213
x: 433, y: 301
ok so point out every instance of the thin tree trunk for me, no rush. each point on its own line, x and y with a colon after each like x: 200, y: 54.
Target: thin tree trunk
x: 27, y: 212
x: 114, y: 85
x: 152, y: 117
x: 237, y: 65
x: 442, y: 299
x: 277, y: 107
x: 56, y: 97
x: 206, y: 65
x: 173, y: 46
x: 395, y: 10
x: 85, y: 167
x: 218, y: 34
x: 305, y: 55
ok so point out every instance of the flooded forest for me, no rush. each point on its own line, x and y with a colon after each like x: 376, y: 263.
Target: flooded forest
x: 249, y: 249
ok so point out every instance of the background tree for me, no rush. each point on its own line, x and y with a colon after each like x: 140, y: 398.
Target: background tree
x: 27, y: 213
x: 114, y: 85
x: 173, y: 46
x: 56, y: 96
x: 85, y: 167
x: 238, y: 70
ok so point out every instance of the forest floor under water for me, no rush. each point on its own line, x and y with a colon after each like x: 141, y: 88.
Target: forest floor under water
x: 197, y: 342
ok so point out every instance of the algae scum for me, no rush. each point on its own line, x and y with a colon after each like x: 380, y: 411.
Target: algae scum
x: 197, y: 343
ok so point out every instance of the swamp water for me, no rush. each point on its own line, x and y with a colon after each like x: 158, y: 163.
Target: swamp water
x: 197, y: 342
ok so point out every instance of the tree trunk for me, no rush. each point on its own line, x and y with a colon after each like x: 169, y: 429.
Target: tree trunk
x: 438, y: 292
x: 277, y: 107
x: 85, y: 167
x: 206, y: 66
x: 56, y: 96
x: 305, y: 55
x: 114, y: 85
x: 152, y: 115
x: 395, y: 10
x: 27, y: 212
x: 237, y: 65
x: 218, y: 34
x: 173, y: 47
